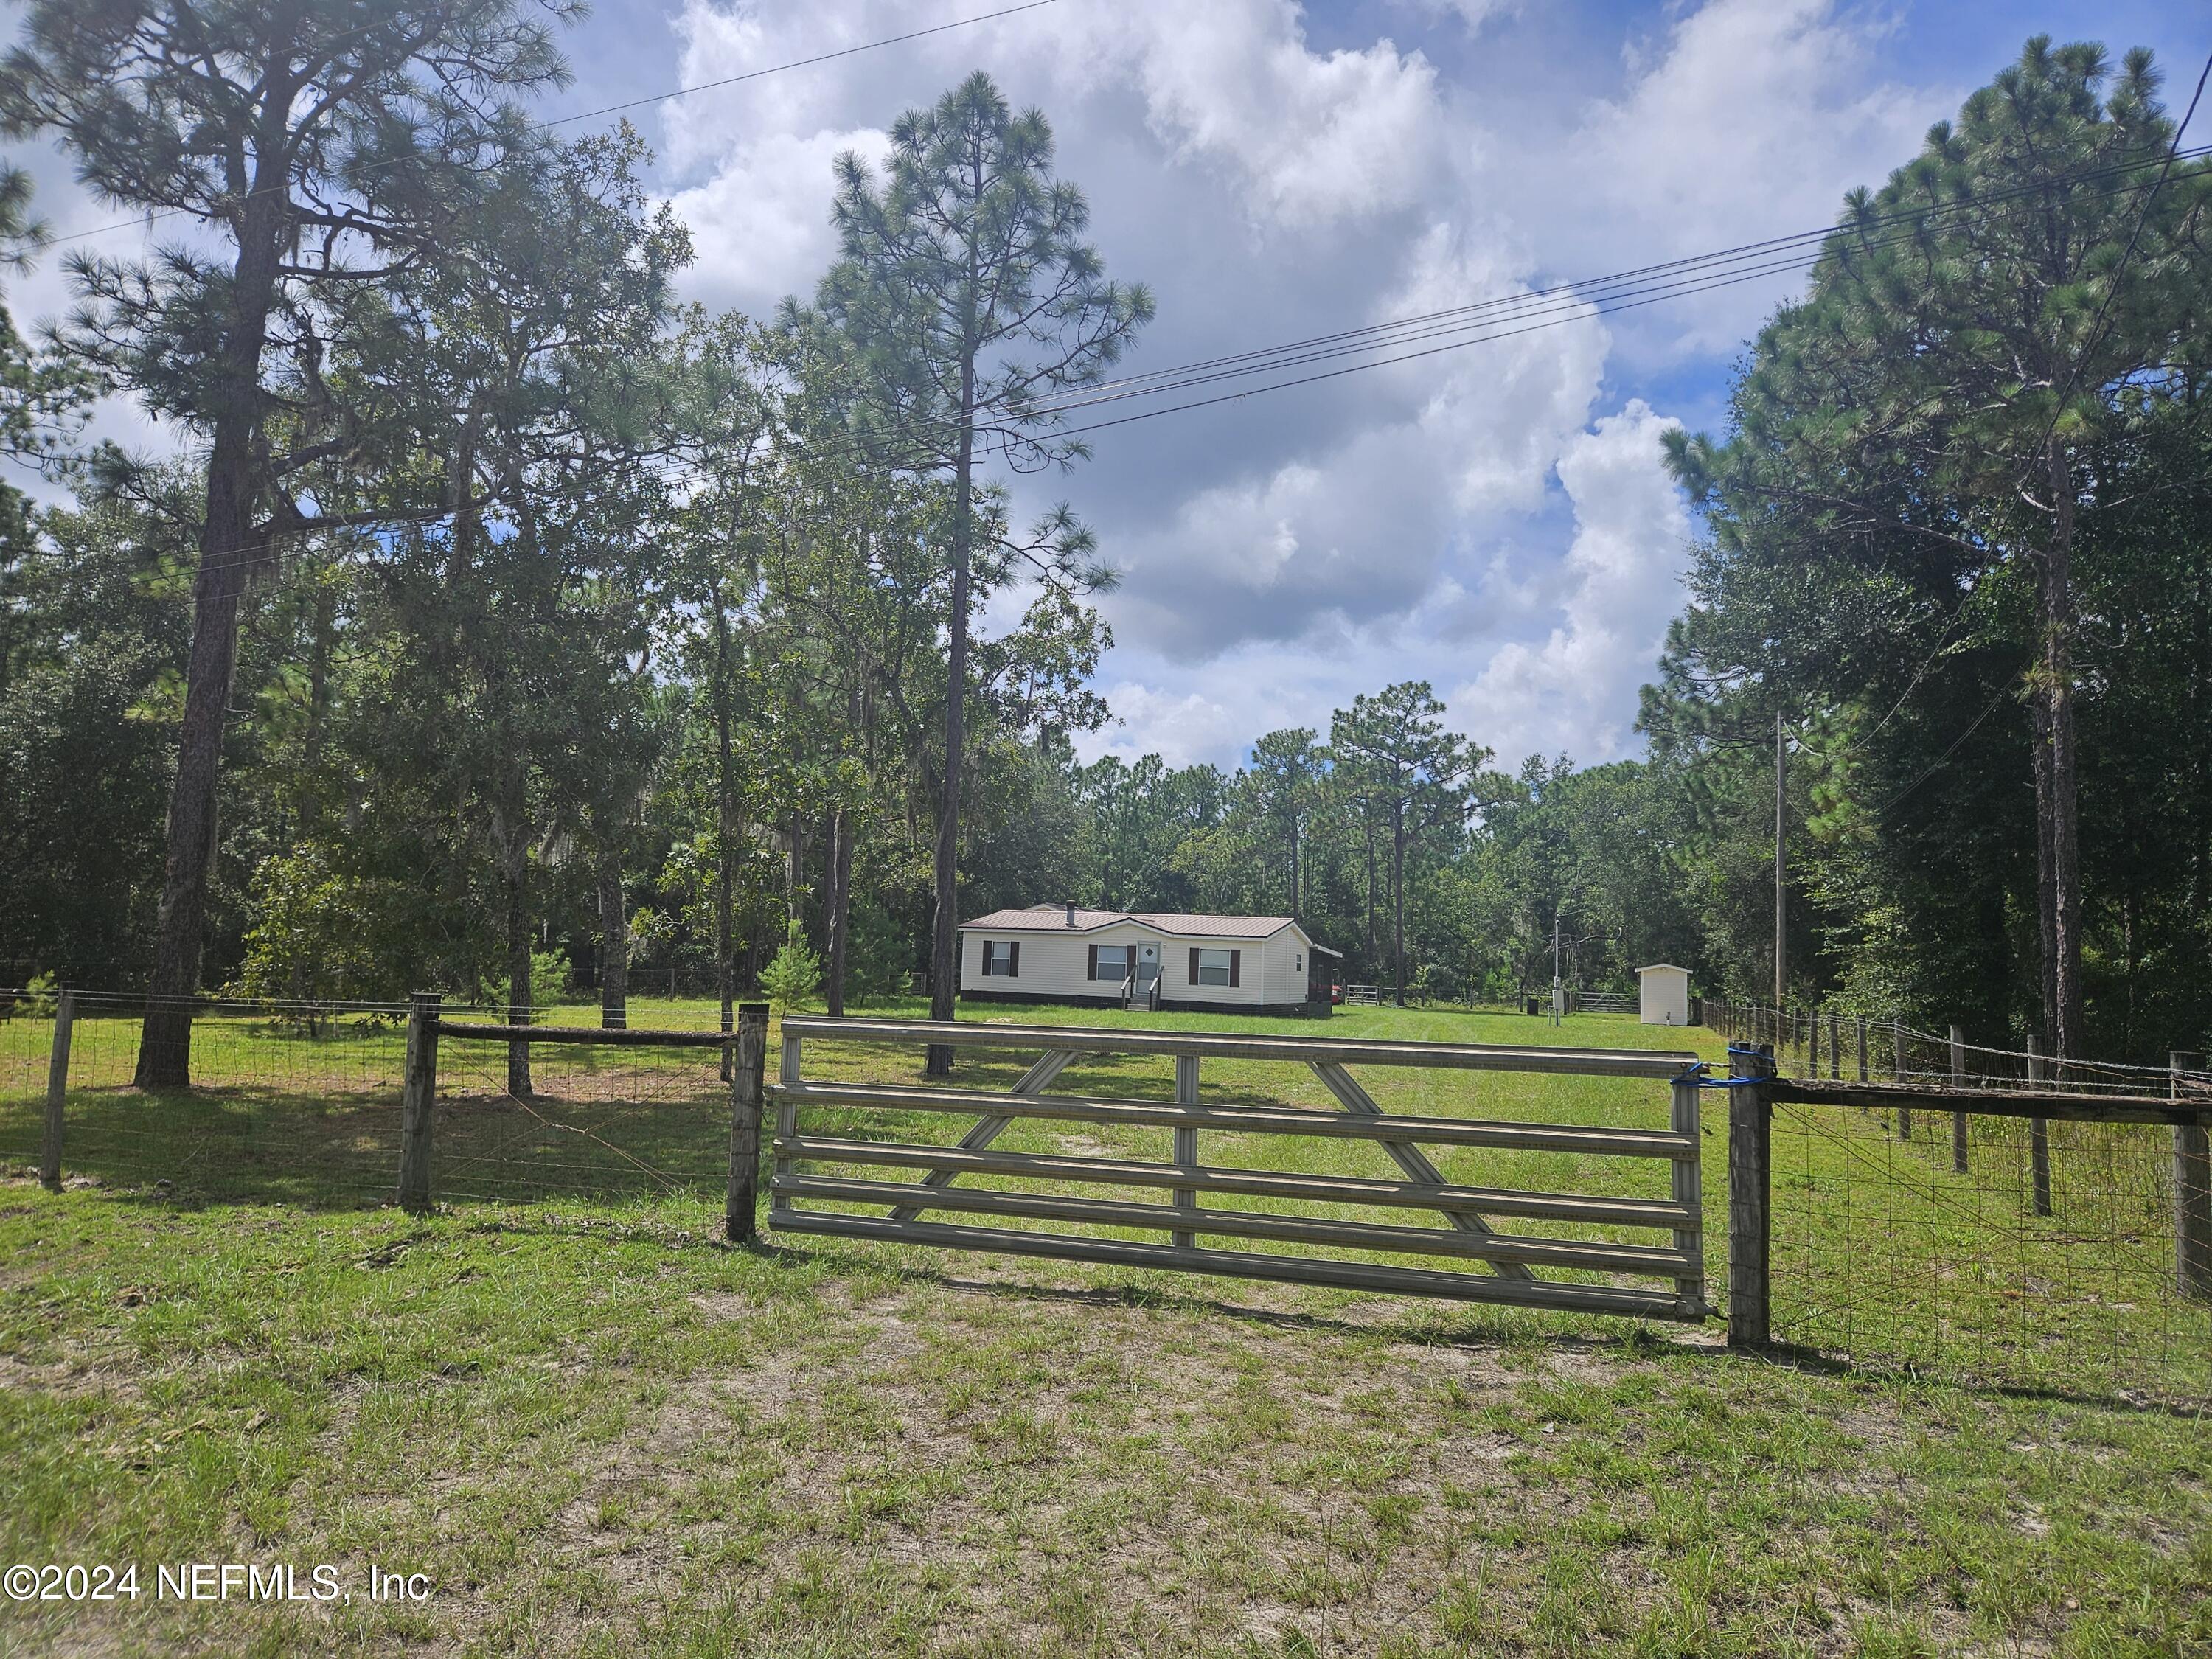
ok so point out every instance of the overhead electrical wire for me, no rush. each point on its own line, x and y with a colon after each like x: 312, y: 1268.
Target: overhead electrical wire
x: 547, y: 124
x: 1782, y: 252
x: 2105, y: 306
x: 1484, y: 321
x: 1487, y: 321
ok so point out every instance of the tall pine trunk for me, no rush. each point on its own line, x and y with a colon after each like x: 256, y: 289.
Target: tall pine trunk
x: 1374, y: 951
x: 2065, y: 822
x: 943, y: 963
x: 725, y: 828
x: 514, y: 860
x: 614, y: 943
x: 230, y: 552
x: 837, y: 907
x: 2046, y: 890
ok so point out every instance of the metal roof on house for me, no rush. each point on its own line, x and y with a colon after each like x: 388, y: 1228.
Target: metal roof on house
x: 1053, y: 918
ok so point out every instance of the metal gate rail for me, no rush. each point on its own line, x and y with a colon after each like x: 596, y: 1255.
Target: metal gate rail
x: 1507, y: 1261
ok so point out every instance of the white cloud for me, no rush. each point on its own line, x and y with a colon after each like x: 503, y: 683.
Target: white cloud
x: 1316, y: 137
x: 1746, y: 119
x: 761, y: 222
x: 1575, y: 690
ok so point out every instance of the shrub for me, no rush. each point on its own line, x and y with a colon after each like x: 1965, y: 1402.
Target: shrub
x: 549, y: 981
x: 794, y: 976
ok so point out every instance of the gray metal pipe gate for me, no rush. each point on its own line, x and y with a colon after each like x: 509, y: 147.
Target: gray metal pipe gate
x: 1470, y: 1212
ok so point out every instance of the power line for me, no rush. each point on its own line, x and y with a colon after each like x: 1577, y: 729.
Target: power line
x: 1482, y: 322
x: 608, y: 109
x: 1943, y: 759
x: 1797, y: 243
x: 2105, y: 306
x: 1562, y: 304
x: 796, y: 63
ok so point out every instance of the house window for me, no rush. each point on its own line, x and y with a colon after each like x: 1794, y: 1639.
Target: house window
x: 1216, y: 967
x: 1110, y: 962
x: 1301, y: 963
x: 1002, y: 959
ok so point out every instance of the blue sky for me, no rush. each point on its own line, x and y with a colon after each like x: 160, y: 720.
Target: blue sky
x: 1495, y: 520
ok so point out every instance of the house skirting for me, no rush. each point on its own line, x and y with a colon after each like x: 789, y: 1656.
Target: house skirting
x: 995, y: 995
x: 1172, y: 1005
x: 1270, y: 1010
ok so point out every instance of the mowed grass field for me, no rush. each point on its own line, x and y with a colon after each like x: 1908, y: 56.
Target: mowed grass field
x: 597, y: 1430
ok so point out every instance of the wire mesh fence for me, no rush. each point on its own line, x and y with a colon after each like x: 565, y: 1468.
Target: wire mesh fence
x: 301, y: 1103
x: 290, y: 1101
x: 616, y: 1125
x: 1886, y: 1253
x: 1827, y: 1042
x: 1915, y: 1228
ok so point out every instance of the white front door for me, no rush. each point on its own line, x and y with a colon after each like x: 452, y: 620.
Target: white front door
x: 1148, y: 966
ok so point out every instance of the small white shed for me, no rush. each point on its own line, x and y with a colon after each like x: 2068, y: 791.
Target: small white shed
x: 1664, y: 993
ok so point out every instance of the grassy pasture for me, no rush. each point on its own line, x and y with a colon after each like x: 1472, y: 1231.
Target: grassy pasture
x: 599, y: 1431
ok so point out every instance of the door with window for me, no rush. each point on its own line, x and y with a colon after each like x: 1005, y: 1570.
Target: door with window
x: 1148, y: 970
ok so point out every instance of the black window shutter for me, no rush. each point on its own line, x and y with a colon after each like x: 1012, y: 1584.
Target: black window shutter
x: 1194, y: 964
x: 1014, y: 960
x: 1236, y: 960
x: 1092, y: 971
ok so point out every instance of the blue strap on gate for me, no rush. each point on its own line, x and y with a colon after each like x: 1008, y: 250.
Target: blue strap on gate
x: 1736, y: 1050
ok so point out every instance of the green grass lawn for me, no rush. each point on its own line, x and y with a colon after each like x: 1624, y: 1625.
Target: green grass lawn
x: 597, y: 1430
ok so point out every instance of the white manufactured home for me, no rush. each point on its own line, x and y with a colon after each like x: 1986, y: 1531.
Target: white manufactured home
x: 1145, y: 959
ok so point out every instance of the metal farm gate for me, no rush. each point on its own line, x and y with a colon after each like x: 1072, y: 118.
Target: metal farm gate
x: 1207, y: 1201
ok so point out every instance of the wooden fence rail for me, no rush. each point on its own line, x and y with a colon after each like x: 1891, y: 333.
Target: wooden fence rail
x: 1469, y: 1212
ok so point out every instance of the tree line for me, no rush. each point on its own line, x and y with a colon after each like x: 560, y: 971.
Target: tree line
x: 505, y: 621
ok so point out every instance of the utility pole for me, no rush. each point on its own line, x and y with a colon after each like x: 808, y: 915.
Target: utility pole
x: 1781, y: 892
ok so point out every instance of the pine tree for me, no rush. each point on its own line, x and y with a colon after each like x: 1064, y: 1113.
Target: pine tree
x: 324, y: 142
x: 972, y: 302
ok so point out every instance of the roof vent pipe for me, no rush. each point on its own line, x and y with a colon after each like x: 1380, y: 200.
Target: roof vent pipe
x: 1071, y: 913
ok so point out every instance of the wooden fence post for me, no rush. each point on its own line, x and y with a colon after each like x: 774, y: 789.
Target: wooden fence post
x: 2039, y: 1137
x: 1862, y: 1048
x: 747, y: 1077
x: 1750, y: 1168
x: 1813, y: 1043
x: 1835, y: 1044
x: 2192, y: 1201
x: 58, y: 1058
x: 1958, y: 1119
x: 418, y: 1102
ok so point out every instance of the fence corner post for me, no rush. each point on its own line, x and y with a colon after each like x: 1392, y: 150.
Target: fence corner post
x: 2192, y: 1201
x: 418, y: 1102
x: 748, y: 1076
x: 57, y: 1061
x: 1750, y: 1168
